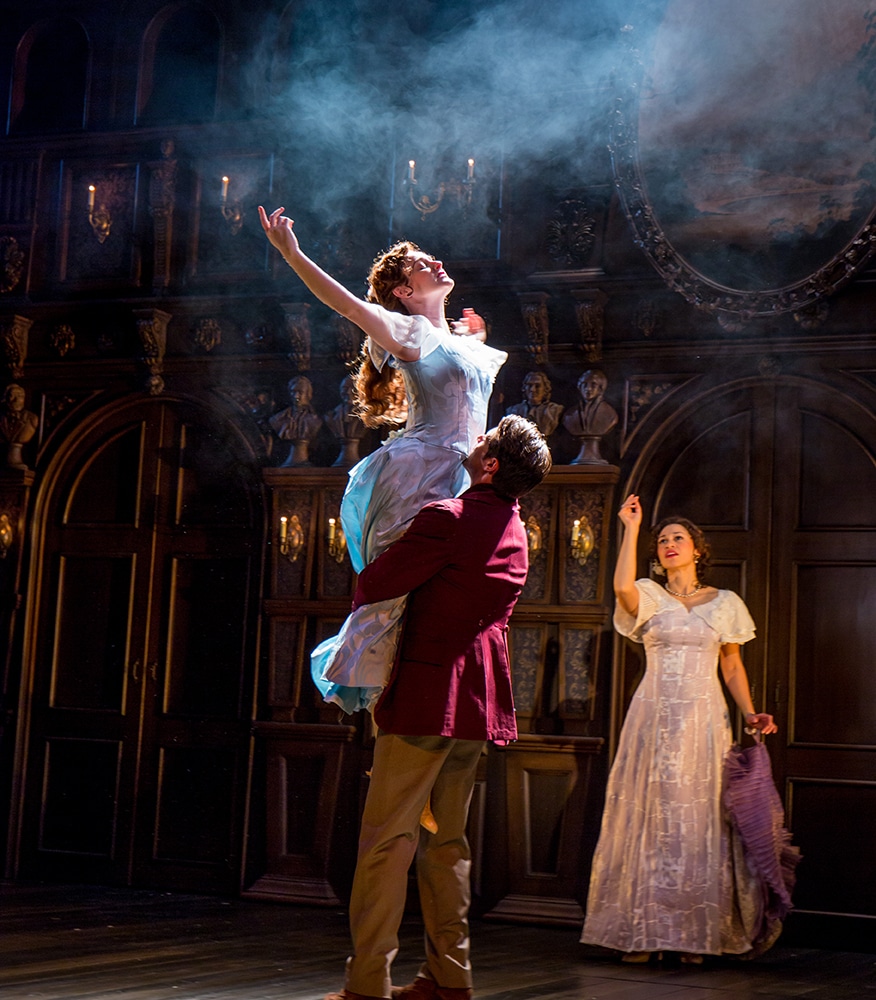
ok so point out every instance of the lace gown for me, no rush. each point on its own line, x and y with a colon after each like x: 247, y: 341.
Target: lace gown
x: 668, y: 872
x: 448, y: 390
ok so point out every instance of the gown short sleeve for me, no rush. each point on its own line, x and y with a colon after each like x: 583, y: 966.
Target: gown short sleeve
x: 732, y: 620
x: 410, y: 331
x: 649, y: 604
x: 727, y: 614
x: 418, y: 332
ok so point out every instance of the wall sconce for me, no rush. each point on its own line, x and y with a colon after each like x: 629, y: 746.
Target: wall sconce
x: 291, y: 537
x: 582, y: 541
x: 337, y: 542
x: 460, y: 191
x: 7, y: 535
x: 533, y: 536
x: 100, y: 219
x: 232, y: 213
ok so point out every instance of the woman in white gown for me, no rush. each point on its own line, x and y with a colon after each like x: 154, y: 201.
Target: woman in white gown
x: 668, y: 873
x: 416, y: 372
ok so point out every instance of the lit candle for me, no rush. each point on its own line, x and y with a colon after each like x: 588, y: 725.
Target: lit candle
x: 91, y: 197
x: 576, y: 530
x: 224, y: 190
x: 411, y: 165
x: 470, y: 169
x: 284, y: 528
x: 331, y: 530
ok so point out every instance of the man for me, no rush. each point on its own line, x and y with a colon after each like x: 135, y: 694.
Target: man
x: 463, y: 562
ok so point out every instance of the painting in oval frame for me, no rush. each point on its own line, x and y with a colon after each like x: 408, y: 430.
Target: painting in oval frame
x: 743, y: 147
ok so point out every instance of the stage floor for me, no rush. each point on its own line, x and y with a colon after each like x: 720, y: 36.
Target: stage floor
x: 86, y: 943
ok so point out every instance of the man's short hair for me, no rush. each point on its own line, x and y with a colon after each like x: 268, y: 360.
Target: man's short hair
x: 523, y: 455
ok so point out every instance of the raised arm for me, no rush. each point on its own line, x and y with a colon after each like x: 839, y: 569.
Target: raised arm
x: 368, y: 316
x: 735, y: 677
x: 625, y: 590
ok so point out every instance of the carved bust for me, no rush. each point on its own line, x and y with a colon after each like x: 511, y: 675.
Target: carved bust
x: 536, y: 404
x: 591, y: 418
x: 17, y: 425
x: 299, y: 422
x: 346, y: 426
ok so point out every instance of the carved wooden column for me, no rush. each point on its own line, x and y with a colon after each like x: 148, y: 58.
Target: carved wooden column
x: 162, y: 191
x: 545, y: 791
x: 15, y: 485
x: 311, y: 762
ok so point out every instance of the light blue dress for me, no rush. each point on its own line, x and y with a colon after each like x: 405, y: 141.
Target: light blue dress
x: 448, y: 390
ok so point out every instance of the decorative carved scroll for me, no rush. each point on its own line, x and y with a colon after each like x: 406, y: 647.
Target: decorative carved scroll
x: 152, y: 331
x: 533, y: 308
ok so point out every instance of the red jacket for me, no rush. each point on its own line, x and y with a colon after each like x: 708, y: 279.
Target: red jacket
x: 463, y: 563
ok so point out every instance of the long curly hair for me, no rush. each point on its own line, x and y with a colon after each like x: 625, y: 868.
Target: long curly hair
x: 697, y: 536
x: 380, y: 399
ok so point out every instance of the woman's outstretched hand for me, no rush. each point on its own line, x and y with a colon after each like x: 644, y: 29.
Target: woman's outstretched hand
x: 471, y: 325
x: 630, y: 513
x: 278, y: 229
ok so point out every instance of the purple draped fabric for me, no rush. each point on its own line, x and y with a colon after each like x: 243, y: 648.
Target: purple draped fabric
x: 756, y: 811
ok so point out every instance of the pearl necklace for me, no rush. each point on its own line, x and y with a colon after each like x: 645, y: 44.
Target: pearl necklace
x: 696, y: 590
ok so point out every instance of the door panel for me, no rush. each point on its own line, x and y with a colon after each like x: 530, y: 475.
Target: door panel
x: 843, y: 814
x: 89, y: 663
x: 206, y: 638
x: 826, y: 499
x: 823, y: 573
x: 833, y: 690
x: 86, y: 634
x: 81, y: 780
x: 108, y: 488
x: 142, y: 656
x: 196, y: 802
x: 722, y: 454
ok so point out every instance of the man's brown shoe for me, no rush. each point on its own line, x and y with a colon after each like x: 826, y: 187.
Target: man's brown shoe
x: 346, y: 994
x: 420, y: 989
x: 427, y: 989
x: 454, y: 992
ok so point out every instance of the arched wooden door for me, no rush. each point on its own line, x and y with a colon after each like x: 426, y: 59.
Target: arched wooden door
x: 140, y: 653
x: 782, y: 475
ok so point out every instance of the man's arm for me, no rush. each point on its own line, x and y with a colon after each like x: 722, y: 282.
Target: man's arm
x: 416, y: 557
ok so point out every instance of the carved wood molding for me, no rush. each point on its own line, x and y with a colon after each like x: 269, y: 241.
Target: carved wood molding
x: 13, y: 342
x: 162, y: 193
x: 642, y: 393
x: 62, y: 339
x: 590, y: 314
x: 152, y: 331
x: 11, y: 263
x: 207, y: 334
x: 571, y: 233
x: 533, y: 308
x: 298, y: 331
